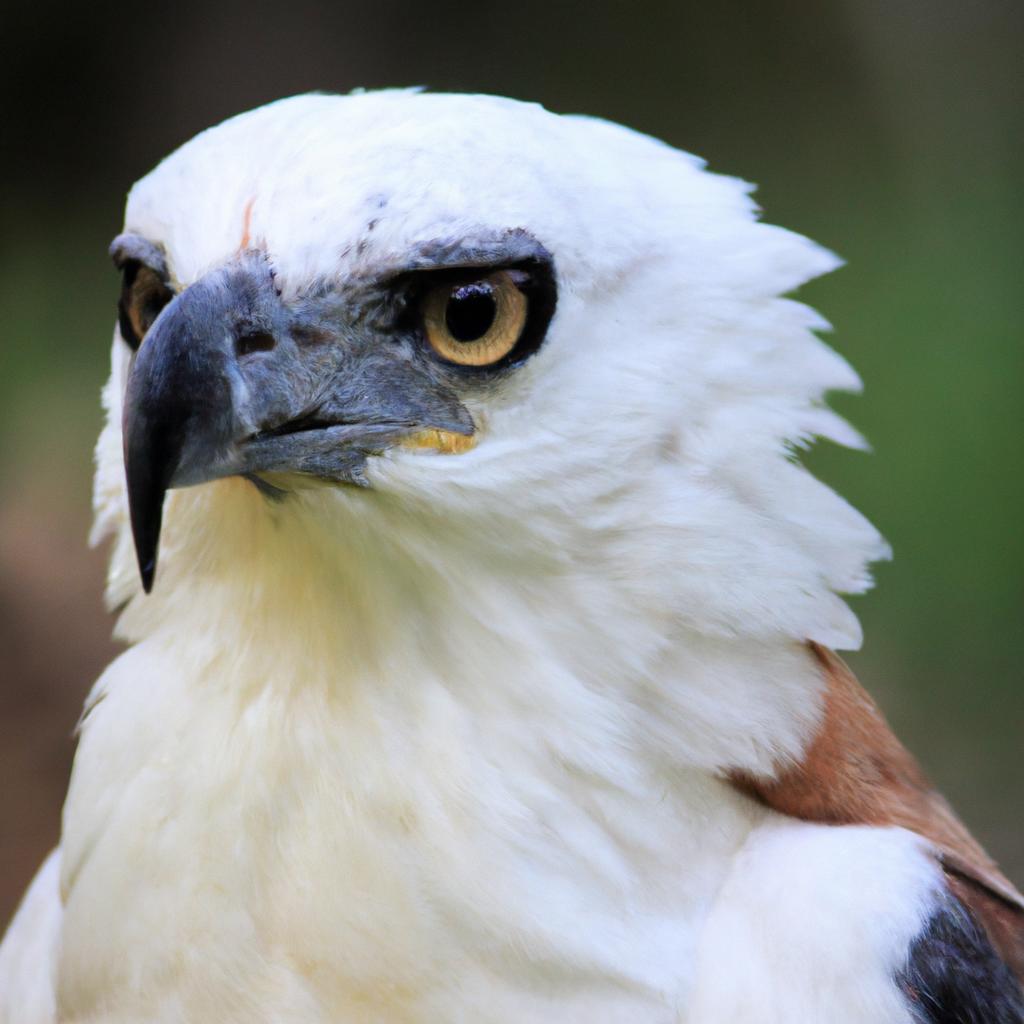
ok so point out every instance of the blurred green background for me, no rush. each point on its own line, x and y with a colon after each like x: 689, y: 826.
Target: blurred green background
x: 890, y: 130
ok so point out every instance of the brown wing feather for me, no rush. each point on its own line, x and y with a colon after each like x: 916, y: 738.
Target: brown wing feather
x: 857, y: 772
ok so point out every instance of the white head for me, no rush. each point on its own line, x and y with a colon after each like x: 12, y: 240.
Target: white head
x: 631, y: 478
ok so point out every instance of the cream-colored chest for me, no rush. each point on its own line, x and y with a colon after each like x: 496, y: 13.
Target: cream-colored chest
x: 294, y: 855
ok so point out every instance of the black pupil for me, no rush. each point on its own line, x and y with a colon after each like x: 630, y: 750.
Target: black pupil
x: 470, y: 311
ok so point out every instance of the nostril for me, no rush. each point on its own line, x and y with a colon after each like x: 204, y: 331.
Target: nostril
x: 256, y: 341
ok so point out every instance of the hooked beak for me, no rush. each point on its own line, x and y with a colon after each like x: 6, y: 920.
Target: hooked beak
x: 230, y: 380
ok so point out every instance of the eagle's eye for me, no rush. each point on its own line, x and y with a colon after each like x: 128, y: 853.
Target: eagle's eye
x: 477, y: 322
x: 144, y: 294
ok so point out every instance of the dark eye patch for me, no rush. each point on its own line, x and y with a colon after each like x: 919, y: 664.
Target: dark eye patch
x: 470, y: 310
x: 143, y: 296
x: 144, y: 286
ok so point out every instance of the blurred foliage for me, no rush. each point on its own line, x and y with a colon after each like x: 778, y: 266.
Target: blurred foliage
x: 889, y: 130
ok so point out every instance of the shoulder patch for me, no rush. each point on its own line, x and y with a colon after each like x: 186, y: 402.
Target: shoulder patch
x: 856, y: 772
x: 954, y: 976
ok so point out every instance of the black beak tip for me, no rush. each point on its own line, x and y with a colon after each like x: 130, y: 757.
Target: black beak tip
x: 146, y: 571
x: 149, y: 461
x: 146, y: 533
x: 145, y: 506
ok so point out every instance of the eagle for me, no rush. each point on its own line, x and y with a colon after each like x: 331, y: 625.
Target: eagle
x: 479, y: 615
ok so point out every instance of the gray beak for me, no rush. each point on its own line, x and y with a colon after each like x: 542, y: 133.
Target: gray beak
x: 230, y: 380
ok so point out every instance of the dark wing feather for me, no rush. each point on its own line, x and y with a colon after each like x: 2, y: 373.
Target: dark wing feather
x: 953, y: 975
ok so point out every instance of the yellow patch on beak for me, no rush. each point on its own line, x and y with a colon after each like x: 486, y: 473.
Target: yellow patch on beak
x: 444, y: 442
